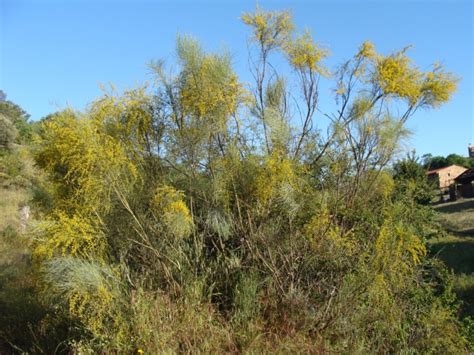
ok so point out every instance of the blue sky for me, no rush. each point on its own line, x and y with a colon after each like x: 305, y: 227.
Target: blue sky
x: 55, y: 54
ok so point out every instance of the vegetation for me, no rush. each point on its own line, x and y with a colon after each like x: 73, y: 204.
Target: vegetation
x: 436, y: 162
x: 411, y: 181
x: 455, y: 248
x: 199, y: 216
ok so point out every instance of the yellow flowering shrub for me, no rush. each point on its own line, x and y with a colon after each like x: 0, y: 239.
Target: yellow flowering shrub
x: 209, y: 89
x: 127, y: 117
x: 397, y: 250
x: 63, y: 235
x: 170, y: 208
x: 276, y: 171
x: 91, y: 292
x: 88, y: 163
x: 326, y: 238
x: 318, y: 250
x: 378, y: 186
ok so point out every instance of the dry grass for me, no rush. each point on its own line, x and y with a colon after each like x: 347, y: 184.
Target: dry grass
x: 11, y: 200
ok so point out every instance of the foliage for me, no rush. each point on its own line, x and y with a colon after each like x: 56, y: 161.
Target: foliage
x: 13, y: 113
x: 171, y: 222
x: 208, y: 87
x: 8, y: 133
x: 90, y: 292
x: 63, y: 235
x: 168, y: 205
x: 455, y: 248
x: 435, y: 162
x: 412, y: 180
x: 90, y: 162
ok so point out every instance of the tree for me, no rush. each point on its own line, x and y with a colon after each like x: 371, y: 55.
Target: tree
x: 436, y: 162
x: 411, y: 180
x: 8, y: 133
x: 18, y: 117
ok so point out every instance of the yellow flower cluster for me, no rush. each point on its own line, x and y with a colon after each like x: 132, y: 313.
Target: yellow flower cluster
x: 325, y: 237
x: 209, y: 90
x: 397, y: 250
x: 169, y: 204
x: 396, y: 77
x: 77, y: 153
x: 127, y: 117
x: 100, y: 301
x: 271, y: 28
x: 367, y: 50
x: 304, y: 53
x: 277, y: 169
x: 202, y: 96
x: 68, y: 235
x: 95, y: 306
x: 438, y: 87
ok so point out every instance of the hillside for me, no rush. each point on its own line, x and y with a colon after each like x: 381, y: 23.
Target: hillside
x: 456, y: 248
x: 21, y: 310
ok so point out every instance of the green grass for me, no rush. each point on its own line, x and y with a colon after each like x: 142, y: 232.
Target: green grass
x: 456, y: 248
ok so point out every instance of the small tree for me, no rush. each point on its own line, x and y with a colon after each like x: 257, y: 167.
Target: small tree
x: 8, y: 133
x: 18, y: 117
x: 411, y: 179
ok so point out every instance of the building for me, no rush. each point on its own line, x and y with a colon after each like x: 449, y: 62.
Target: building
x: 465, y: 183
x: 444, y: 177
x: 470, y: 150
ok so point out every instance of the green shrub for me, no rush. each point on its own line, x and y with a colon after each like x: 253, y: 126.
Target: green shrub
x: 198, y: 220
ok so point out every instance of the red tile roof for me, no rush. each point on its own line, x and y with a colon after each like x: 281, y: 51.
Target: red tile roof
x: 439, y: 169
